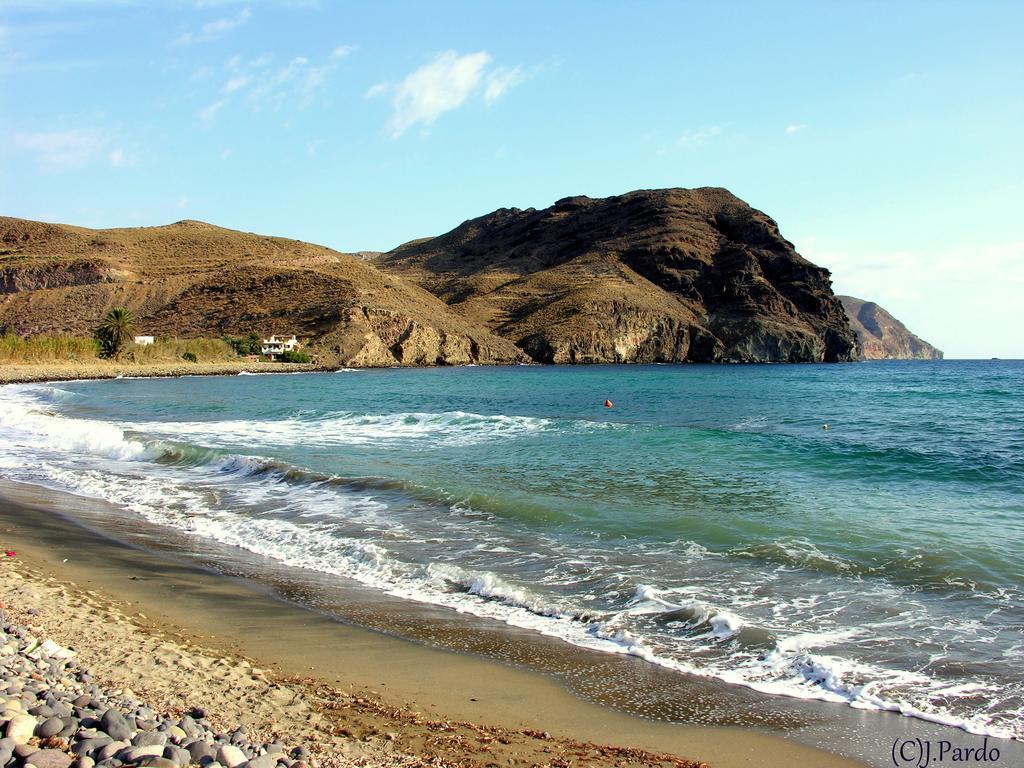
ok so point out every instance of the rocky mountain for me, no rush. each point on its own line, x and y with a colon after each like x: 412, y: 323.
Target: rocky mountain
x: 193, y: 279
x: 666, y: 275
x: 882, y: 336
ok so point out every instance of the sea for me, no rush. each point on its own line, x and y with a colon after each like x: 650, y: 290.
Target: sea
x: 849, y: 533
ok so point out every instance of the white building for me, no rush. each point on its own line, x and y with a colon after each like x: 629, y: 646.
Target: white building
x: 143, y: 341
x: 275, y: 346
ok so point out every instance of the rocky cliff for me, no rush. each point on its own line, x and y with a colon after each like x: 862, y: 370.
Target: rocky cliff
x: 665, y: 275
x: 882, y: 336
x: 194, y: 279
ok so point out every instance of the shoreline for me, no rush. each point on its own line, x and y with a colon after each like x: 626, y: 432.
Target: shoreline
x: 42, y: 373
x: 379, y: 692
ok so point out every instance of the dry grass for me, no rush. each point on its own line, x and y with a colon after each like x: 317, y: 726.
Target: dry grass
x: 15, y: 350
x: 47, y: 349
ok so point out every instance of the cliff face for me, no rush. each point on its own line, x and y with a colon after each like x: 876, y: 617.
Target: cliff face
x: 194, y: 279
x: 882, y: 336
x: 650, y: 276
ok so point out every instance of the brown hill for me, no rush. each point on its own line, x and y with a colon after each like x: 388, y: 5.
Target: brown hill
x: 193, y: 279
x: 650, y: 276
x: 882, y: 336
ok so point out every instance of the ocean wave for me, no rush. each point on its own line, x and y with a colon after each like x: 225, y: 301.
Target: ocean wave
x: 226, y: 498
x: 449, y: 428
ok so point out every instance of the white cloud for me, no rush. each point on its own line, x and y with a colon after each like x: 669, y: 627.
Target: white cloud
x: 119, y: 158
x: 207, y: 113
x: 794, y: 128
x: 61, y: 149
x: 696, y: 137
x: 214, y: 30
x: 442, y: 84
x: 343, y: 50
x: 235, y: 83
x: 500, y: 80
x: 182, y: 201
x: 375, y: 90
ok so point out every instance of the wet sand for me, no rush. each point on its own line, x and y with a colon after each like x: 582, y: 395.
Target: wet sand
x: 166, y: 626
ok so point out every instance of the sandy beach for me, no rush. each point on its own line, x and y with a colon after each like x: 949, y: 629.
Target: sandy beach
x: 181, y: 637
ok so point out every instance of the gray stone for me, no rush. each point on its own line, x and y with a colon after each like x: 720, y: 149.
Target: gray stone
x: 24, y: 750
x: 149, y: 738
x: 230, y: 756
x: 200, y: 749
x: 115, y: 725
x: 134, y: 754
x: 268, y: 760
x: 42, y: 710
x: 88, y: 746
x: 70, y: 727
x: 83, y: 762
x: 179, y: 756
x: 49, y: 727
x: 108, y: 751
x: 49, y: 758
x: 156, y: 762
x: 84, y: 701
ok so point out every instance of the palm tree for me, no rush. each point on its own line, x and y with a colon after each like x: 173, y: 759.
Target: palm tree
x: 116, y: 330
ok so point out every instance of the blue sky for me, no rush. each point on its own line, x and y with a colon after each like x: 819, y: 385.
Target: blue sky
x: 885, y: 138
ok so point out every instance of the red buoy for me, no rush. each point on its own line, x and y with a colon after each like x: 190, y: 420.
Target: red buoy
x: 607, y: 403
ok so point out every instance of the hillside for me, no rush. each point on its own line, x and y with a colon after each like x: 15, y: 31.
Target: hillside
x: 650, y: 276
x: 192, y: 279
x: 882, y: 336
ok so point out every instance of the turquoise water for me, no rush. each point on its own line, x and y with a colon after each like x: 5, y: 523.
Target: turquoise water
x: 707, y: 522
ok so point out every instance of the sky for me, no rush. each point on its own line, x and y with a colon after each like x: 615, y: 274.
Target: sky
x: 885, y: 138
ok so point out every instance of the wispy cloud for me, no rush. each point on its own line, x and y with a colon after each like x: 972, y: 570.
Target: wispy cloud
x: 207, y: 113
x: 343, y: 50
x: 442, y: 84
x: 698, y: 136
x: 500, y: 80
x: 260, y: 84
x: 121, y: 158
x: 72, y: 148
x: 794, y: 128
x: 214, y: 30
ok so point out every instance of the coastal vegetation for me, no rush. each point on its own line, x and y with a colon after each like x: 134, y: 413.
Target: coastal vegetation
x: 115, y: 332
x: 60, y: 348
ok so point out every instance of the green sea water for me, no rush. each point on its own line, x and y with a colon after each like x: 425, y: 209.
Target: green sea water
x: 707, y: 522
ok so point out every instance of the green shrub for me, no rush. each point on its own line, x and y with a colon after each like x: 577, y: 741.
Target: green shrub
x: 189, y: 357
x: 245, y: 345
x: 297, y: 356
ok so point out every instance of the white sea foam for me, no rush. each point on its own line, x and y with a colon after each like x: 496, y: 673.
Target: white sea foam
x: 453, y: 427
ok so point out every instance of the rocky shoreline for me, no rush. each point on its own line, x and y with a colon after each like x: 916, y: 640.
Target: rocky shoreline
x: 29, y: 373
x: 54, y: 715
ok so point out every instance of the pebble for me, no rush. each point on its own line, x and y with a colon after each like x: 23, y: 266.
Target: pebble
x: 20, y: 728
x: 230, y: 756
x: 84, y: 726
x: 49, y: 758
x: 49, y: 727
x: 114, y: 723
